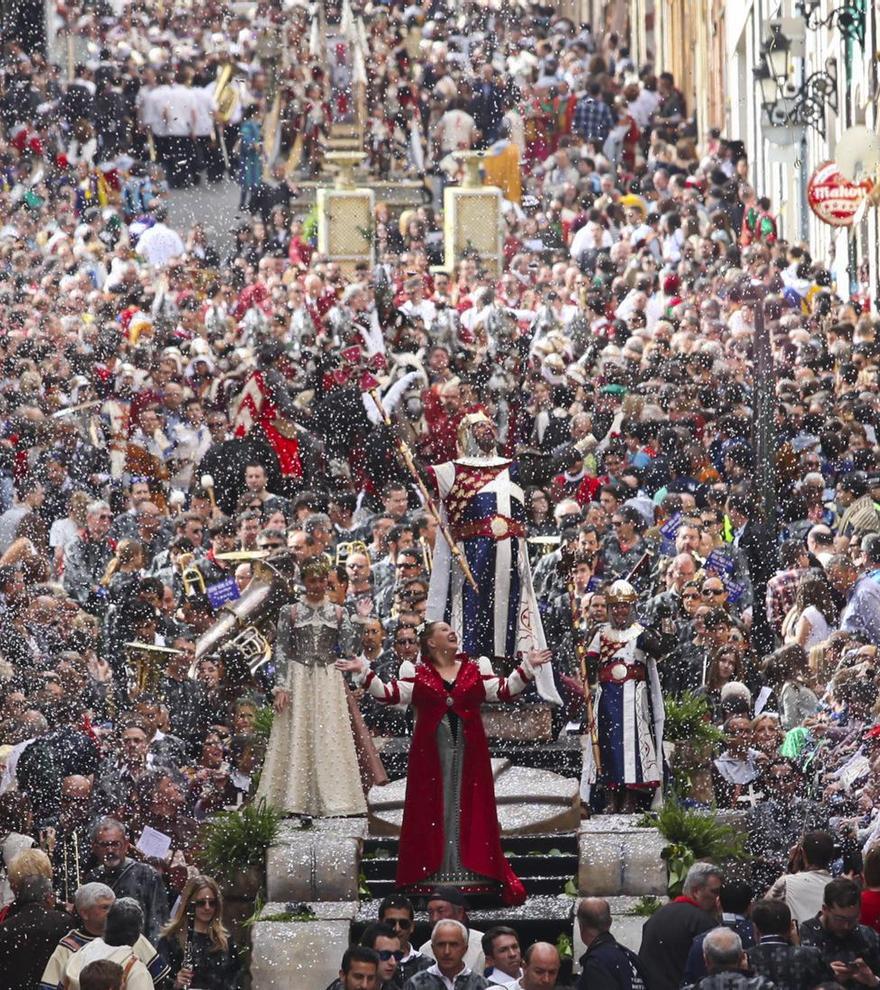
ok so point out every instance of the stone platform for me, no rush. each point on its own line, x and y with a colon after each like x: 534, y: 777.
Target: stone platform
x: 326, y: 865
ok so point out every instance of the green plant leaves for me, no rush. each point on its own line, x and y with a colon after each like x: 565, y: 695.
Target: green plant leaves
x: 235, y: 841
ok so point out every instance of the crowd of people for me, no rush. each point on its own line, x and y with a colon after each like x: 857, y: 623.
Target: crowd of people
x: 172, y: 410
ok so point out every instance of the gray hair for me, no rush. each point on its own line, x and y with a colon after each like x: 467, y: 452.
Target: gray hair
x: 125, y: 922
x: 105, y: 824
x: 454, y: 923
x: 698, y: 876
x: 99, y: 505
x: 88, y: 895
x: 722, y: 947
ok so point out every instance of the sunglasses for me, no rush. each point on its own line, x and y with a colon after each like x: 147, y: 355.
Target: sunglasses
x: 206, y: 902
x: 709, y: 592
x: 386, y: 954
x: 403, y: 923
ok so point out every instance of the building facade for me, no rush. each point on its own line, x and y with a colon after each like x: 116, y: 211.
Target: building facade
x: 821, y: 42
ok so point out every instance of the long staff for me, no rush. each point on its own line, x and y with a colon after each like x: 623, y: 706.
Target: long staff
x: 407, y: 459
x: 580, y: 648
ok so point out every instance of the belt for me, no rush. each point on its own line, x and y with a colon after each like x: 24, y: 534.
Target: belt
x: 494, y: 527
x: 618, y: 672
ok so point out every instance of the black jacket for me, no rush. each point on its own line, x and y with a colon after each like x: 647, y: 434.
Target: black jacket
x: 789, y: 967
x: 733, y: 981
x: 608, y: 965
x: 211, y: 970
x: 27, y: 939
x: 143, y: 883
x: 862, y: 942
x: 666, y: 942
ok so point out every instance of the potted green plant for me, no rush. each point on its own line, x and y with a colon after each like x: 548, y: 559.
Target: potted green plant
x: 692, y: 836
x: 234, y: 845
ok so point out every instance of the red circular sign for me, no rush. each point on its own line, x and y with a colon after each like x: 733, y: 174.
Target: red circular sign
x: 834, y: 198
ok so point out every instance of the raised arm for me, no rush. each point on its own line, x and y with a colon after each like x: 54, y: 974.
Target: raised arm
x: 507, y: 688
x: 396, y: 693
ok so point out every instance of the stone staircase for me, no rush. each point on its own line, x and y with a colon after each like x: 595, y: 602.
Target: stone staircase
x: 544, y: 862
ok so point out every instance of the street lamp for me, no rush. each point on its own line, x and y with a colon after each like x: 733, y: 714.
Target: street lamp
x: 776, y: 51
x: 786, y: 105
x: 849, y: 18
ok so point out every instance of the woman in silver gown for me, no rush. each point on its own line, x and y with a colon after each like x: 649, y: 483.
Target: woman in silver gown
x: 312, y: 765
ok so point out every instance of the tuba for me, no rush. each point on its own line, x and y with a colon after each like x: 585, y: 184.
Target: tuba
x: 243, y: 627
x: 225, y: 94
x: 146, y: 664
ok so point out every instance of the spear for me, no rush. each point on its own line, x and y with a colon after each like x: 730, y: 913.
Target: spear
x: 407, y: 458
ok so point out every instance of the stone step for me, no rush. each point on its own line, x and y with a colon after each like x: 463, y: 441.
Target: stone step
x: 618, y: 857
x: 535, y: 886
x: 384, y: 867
x: 538, y: 843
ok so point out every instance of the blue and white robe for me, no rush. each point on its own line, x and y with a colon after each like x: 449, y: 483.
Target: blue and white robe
x: 501, y: 619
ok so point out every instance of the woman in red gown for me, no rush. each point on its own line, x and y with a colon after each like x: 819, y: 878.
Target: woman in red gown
x: 450, y: 832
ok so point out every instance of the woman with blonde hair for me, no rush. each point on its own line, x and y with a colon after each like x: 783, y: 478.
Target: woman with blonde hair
x: 195, y: 942
x: 128, y: 560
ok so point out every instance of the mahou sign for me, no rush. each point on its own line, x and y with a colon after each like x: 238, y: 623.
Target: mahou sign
x: 834, y: 198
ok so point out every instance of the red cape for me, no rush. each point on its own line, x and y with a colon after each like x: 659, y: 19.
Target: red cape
x: 422, y: 836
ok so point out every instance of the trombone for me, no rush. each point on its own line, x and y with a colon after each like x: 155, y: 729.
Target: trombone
x: 192, y: 578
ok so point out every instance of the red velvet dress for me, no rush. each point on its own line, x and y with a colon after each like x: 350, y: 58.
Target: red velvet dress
x: 423, y: 834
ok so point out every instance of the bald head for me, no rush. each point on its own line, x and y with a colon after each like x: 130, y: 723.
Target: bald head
x: 540, y: 967
x: 594, y: 916
x: 722, y: 950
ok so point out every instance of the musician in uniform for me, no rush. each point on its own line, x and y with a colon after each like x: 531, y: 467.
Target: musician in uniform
x: 485, y: 510
x: 629, y: 709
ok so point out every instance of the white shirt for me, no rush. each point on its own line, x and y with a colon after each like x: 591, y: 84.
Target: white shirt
x: 205, y: 105
x: 159, y: 244
x: 498, y: 979
x: 137, y: 977
x: 154, y: 106
x: 425, y: 309
x: 181, y: 111
x: 585, y: 240
x: 457, y: 129
x: 803, y: 892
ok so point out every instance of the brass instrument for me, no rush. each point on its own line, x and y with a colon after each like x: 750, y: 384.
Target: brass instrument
x: 427, y: 555
x: 146, y: 665
x: 545, y: 544
x: 243, y: 626
x: 192, y: 578
x: 241, y: 555
x: 225, y: 94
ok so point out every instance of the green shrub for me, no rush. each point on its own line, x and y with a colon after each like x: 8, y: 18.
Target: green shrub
x: 692, y: 836
x: 688, y: 720
x: 236, y: 841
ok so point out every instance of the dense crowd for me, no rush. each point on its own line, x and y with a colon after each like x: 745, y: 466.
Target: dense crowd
x: 168, y: 407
